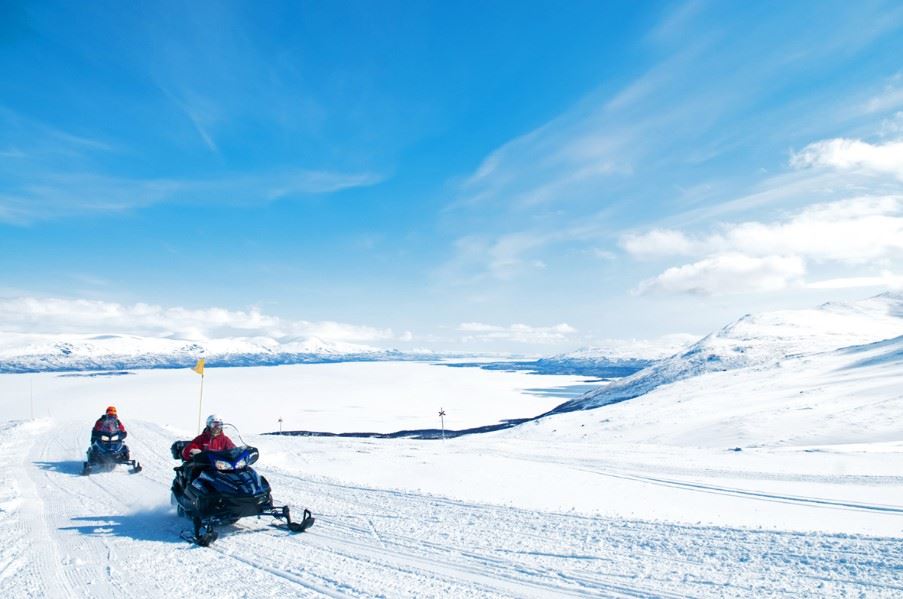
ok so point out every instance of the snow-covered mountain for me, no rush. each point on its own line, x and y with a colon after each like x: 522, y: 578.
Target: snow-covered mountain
x: 762, y: 340
x: 846, y: 397
x: 42, y: 352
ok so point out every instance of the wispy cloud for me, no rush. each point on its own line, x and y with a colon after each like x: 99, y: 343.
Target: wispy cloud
x: 889, y: 98
x: 56, y: 196
x: 520, y: 333
x: 30, y: 138
x: 57, y: 315
x: 479, y: 259
x: 892, y: 126
x: 202, y: 113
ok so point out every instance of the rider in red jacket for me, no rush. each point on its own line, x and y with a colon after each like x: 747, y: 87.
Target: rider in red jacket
x: 108, y: 424
x: 212, y: 439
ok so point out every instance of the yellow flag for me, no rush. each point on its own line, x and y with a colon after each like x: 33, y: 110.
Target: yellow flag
x: 199, y: 367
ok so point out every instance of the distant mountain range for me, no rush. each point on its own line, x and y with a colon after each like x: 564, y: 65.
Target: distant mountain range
x: 614, y: 358
x: 640, y: 366
x: 39, y: 352
x: 22, y: 352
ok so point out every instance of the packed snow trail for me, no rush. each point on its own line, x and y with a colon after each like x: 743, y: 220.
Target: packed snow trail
x: 114, y: 534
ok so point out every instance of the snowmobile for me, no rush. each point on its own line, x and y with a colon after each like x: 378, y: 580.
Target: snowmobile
x: 106, y: 451
x: 217, y: 488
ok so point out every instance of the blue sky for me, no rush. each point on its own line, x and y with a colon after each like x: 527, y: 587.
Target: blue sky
x: 528, y: 177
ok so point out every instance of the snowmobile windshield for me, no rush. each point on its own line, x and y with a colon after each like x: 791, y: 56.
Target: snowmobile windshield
x: 237, y: 458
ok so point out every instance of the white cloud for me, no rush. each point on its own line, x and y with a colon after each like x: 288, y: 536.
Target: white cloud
x: 769, y: 256
x: 658, y: 242
x: 887, y: 280
x: 726, y: 274
x: 521, y: 333
x: 853, y: 154
x: 850, y: 231
x: 54, y: 315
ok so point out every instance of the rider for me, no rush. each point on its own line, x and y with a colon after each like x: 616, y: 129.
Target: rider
x: 212, y: 439
x: 108, y: 424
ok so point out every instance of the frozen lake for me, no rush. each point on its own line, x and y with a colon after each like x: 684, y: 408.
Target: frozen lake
x: 377, y: 397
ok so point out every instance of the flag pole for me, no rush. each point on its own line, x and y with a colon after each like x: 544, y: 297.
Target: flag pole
x: 199, y: 368
x: 200, y: 403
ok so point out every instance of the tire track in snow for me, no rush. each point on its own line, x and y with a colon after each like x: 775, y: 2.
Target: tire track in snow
x: 91, y: 558
x: 618, y: 473
x: 42, y: 573
x: 507, y: 578
x: 739, y: 558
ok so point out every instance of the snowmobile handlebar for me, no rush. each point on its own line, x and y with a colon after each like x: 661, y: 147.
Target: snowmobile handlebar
x: 236, y: 458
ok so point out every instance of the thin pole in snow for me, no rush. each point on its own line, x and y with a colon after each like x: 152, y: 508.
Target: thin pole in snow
x: 199, y: 368
x: 280, y: 425
x: 200, y: 403
x: 442, y: 420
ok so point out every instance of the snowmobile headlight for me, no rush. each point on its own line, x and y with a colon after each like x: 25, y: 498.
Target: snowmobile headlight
x: 241, y: 464
x: 105, y: 437
x: 222, y: 465
x: 114, y: 438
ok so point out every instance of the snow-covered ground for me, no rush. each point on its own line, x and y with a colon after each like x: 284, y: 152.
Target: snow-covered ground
x: 778, y: 476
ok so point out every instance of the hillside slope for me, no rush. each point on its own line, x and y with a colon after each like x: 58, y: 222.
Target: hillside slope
x: 761, y: 341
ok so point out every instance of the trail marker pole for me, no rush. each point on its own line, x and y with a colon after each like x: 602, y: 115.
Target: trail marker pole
x: 200, y: 403
x: 199, y: 368
x: 280, y: 425
x: 442, y: 420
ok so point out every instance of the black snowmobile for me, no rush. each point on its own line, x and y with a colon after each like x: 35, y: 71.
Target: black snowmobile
x: 216, y: 488
x: 106, y: 451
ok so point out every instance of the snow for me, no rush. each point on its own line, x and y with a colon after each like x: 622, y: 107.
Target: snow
x: 774, y: 470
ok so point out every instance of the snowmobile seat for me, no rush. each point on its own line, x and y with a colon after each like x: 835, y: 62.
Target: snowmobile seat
x: 176, y: 449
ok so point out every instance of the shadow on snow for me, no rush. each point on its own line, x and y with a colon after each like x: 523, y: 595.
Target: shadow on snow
x: 73, y: 467
x: 151, y: 525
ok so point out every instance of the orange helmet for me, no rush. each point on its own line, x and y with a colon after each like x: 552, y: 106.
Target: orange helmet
x: 111, y: 410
